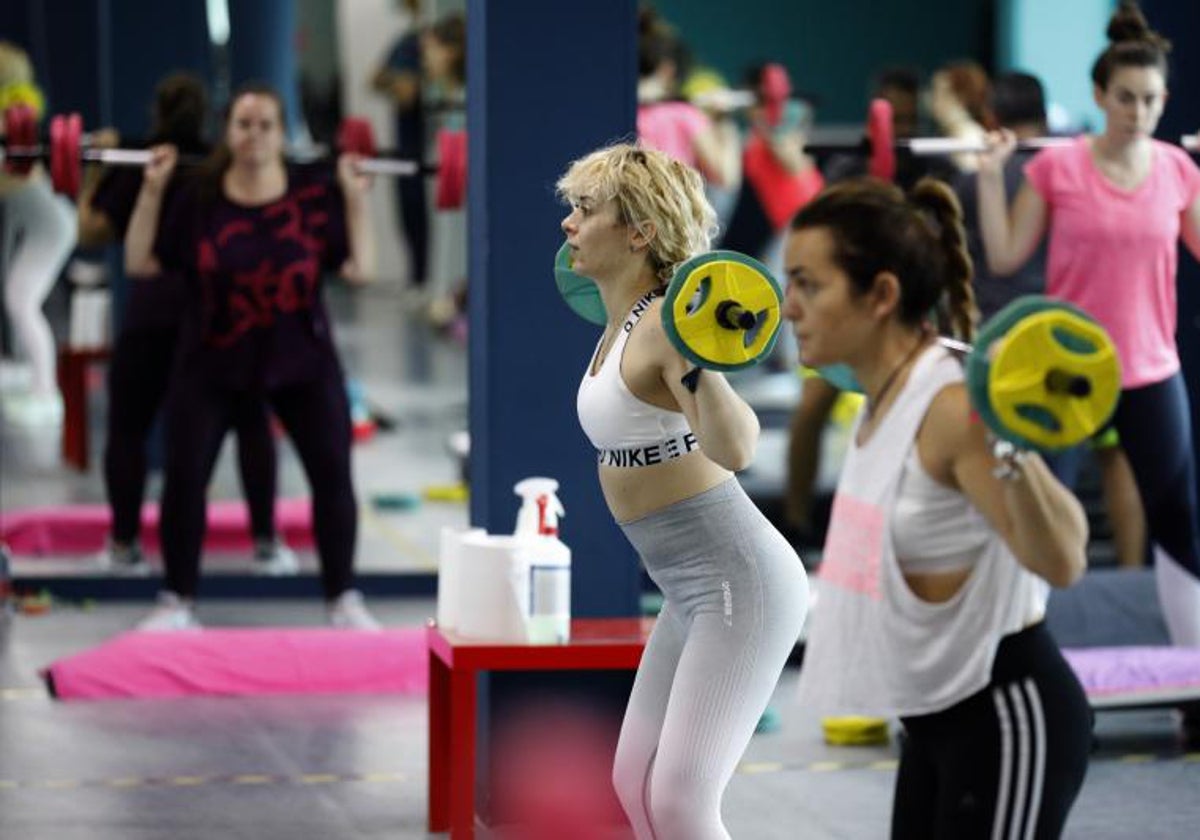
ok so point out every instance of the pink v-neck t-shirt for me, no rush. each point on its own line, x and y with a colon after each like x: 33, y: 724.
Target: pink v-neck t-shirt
x: 1114, y: 252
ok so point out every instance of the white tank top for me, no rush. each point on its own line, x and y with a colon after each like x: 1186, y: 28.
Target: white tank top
x: 935, y: 528
x: 627, y: 431
x: 875, y: 648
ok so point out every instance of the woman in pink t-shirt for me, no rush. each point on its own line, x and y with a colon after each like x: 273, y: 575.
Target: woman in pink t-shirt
x: 671, y: 125
x: 1114, y: 206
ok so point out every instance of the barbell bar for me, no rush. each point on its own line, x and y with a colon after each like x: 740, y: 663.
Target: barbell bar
x: 68, y: 149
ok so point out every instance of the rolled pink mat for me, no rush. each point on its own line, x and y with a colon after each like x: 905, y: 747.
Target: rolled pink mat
x: 236, y: 662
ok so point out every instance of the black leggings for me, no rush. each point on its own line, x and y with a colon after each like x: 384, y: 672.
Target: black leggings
x: 1156, y: 433
x: 414, y: 218
x: 316, y: 415
x: 138, y: 375
x: 1013, y: 753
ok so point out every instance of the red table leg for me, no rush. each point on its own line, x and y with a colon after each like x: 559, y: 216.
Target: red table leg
x: 439, y: 744
x: 462, y: 754
x: 72, y: 382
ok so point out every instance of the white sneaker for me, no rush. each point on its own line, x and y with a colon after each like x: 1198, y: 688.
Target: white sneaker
x: 273, y: 558
x: 122, y: 559
x: 348, y: 612
x: 30, y: 410
x: 172, y: 613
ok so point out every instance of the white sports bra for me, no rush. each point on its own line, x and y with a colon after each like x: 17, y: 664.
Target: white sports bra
x: 627, y: 431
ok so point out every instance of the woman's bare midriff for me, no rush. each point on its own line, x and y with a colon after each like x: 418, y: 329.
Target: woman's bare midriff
x: 634, y: 492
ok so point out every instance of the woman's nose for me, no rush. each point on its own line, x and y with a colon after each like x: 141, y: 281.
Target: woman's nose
x: 791, y: 304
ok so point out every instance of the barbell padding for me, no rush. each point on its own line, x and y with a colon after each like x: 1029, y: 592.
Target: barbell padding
x: 57, y: 152
x: 356, y: 135
x: 452, y: 169
x: 881, y: 136
x: 73, y: 143
x: 20, y: 125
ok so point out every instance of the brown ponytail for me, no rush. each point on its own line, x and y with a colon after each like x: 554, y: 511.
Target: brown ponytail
x: 942, y: 210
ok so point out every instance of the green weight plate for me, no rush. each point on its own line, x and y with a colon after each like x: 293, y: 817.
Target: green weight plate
x: 580, y: 293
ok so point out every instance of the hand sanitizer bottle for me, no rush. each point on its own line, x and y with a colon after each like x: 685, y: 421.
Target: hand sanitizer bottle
x: 547, y: 558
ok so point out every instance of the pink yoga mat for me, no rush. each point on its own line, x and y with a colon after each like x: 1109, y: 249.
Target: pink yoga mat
x: 235, y: 662
x: 1116, y: 676
x: 68, y: 530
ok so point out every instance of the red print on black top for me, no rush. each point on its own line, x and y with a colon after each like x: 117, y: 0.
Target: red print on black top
x: 254, y: 274
x: 254, y: 269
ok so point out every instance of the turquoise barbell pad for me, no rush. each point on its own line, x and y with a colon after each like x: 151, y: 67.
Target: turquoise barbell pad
x: 580, y: 293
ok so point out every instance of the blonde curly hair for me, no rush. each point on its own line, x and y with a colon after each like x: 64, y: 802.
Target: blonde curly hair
x: 650, y: 188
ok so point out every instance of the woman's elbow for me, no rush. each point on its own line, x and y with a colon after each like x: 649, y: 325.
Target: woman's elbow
x: 1068, y: 572
x: 1000, y: 266
x: 138, y: 268
x: 735, y: 456
x: 357, y: 273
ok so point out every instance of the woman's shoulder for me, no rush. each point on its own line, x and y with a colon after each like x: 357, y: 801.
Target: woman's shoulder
x: 1179, y: 160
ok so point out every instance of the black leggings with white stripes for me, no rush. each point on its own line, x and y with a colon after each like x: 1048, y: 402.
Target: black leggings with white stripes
x: 1007, y: 762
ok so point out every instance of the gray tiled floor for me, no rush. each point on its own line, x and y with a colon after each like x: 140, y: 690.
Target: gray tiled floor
x: 354, y: 768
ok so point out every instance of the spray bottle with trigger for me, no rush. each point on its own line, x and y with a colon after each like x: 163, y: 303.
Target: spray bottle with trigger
x: 548, y: 559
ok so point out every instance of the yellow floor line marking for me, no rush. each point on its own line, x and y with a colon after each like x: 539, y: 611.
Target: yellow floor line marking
x: 125, y: 783
x: 188, y: 781
x: 826, y: 766
x: 394, y: 536
x: 23, y: 693
x: 252, y: 779
x: 762, y: 767
x: 889, y: 764
x: 319, y: 779
x: 383, y: 777
x: 1138, y: 758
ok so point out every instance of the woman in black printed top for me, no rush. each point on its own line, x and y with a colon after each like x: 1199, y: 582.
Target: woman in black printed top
x: 252, y: 239
x: 140, y: 368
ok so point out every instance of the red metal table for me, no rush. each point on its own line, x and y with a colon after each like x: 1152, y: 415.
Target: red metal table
x: 454, y: 665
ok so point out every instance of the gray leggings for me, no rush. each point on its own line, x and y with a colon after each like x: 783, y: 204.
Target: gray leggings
x: 735, y: 599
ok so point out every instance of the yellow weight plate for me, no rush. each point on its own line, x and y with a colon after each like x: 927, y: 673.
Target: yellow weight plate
x: 700, y: 295
x: 1040, y: 349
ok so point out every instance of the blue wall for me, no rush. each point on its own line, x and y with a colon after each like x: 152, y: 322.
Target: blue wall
x: 535, y: 103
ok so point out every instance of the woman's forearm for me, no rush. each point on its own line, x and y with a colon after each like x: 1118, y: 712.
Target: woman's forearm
x: 143, y: 228
x: 361, y: 267
x: 1050, y: 529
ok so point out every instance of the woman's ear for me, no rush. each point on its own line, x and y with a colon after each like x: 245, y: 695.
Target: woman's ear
x: 885, y: 294
x: 641, y: 234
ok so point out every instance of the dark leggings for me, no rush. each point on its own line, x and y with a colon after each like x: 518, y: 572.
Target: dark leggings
x: 414, y: 218
x: 1014, y: 753
x: 138, y: 376
x: 316, y: 415
x: 1156, y: 433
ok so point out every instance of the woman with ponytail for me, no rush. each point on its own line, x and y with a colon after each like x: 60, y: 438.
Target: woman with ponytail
x: 940, y: 552
x: 1114, y: 206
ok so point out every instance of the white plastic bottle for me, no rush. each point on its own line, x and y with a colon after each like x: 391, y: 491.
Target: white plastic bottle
x: 547, y: 558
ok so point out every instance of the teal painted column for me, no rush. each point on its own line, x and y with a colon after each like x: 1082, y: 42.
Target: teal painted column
x: 262, y: 47
x: 1057, y: 42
